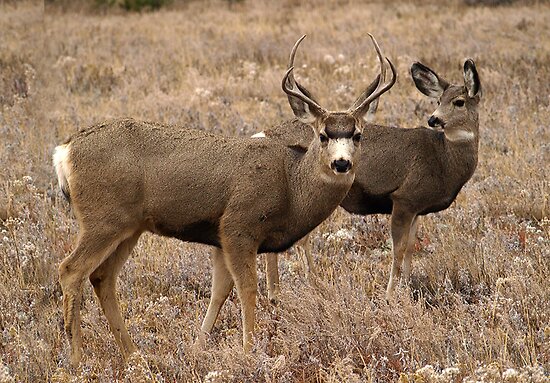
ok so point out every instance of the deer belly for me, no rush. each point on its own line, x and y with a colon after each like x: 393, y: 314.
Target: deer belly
x: 205, y: 232
x: 365, y: 204
x: 277, y: 242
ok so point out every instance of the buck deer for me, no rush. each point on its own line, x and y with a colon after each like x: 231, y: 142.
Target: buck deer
x: 404, y: 172
x: 242, y: 195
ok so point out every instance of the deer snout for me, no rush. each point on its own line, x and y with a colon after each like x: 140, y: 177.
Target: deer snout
x: 341, y: 166
x: 435, y: 121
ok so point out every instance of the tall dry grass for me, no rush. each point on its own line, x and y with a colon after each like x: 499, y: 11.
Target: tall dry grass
x: 479, y: 307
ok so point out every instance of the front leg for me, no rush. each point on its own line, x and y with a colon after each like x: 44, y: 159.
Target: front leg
x: 240, y: 258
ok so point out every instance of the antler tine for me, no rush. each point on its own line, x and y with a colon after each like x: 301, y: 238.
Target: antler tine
x: 380, y: 58
x: 299, y: 95
x: 380, y: 91
x: 293, y: 52
x: 291, y: 78
x: 380, y: 78
x: 291, y: 60
x: 380, y: 88
x: 292, y: 88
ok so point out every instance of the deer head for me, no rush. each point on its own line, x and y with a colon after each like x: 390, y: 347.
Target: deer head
x: 457, y: 111
x: 338, y: 133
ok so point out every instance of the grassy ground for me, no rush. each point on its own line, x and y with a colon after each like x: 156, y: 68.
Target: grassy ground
x: 480, y: 308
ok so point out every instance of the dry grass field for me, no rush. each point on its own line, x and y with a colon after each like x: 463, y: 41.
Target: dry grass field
x: 479, y: 306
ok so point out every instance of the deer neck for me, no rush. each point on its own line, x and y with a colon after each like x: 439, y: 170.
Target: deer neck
x: 315, y: 190
x: 462, y: 155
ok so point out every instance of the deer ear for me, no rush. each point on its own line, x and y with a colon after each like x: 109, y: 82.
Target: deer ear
x: 370, y: 116
x: 471, y: 79
x: 427, y: 81
x: 301, y: 109
x: 369, y: 112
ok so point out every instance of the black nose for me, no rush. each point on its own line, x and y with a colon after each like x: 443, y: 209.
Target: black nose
x: 434, y: 121
x: 341, y: 166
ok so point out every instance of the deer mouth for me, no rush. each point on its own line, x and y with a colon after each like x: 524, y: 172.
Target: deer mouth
x: 341, y: 166
x: 435, y: 122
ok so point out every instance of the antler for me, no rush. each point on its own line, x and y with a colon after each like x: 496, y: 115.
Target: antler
x: 291, y: 59
x: 289, y: 84
x: 291, y: 92
x: 379, y: 90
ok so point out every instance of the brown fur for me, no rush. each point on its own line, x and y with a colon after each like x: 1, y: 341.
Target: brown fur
x: 407, y: 172
x: 242, y: 195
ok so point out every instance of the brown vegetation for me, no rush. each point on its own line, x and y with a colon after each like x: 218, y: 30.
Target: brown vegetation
x: 479, y: 309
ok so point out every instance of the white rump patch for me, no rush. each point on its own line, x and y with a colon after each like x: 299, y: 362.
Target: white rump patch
x: 62, y: 166
x: 459, y: 135
x: 258, y: 135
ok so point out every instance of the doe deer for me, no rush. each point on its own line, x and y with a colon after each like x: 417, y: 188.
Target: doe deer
x: 404, y: 172
x: 241, y: 195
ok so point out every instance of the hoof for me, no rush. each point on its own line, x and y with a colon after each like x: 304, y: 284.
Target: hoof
x: 76, y: 357
x: 274, y: 301
x: 200, y: 342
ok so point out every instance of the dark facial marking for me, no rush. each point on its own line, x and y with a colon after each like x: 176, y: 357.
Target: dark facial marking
x: 339, y: 126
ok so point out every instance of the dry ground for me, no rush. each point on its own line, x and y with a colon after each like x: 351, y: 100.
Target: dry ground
x: 480, y: 306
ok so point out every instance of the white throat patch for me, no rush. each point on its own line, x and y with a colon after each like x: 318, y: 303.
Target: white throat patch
x: 459, y: 135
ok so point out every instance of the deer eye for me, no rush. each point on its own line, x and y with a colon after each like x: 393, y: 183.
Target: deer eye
x: 357, y: 137
x: 459, y: 103
x: 323, y: 138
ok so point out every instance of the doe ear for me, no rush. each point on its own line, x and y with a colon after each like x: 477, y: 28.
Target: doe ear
x: 471, y: 79
x: 427, y: 81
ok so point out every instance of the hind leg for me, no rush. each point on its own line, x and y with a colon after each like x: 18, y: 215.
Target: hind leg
x: 104, y: 281
x: 222, y: 283
x: 92, y: 249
